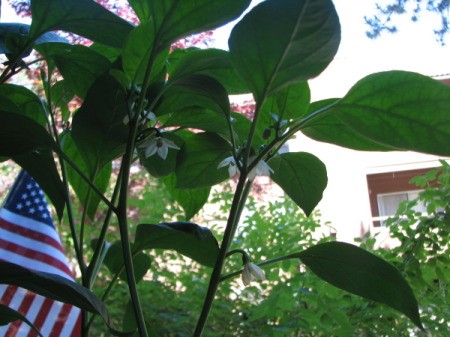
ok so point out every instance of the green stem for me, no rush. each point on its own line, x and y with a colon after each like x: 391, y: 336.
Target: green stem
x: 264, y: 263
x: 216, y: 273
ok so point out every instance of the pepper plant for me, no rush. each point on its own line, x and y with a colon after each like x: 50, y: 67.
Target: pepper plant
x: 169, y: 110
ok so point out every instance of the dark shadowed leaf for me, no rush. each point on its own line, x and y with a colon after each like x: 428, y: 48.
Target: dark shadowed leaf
x: 79, y: 65
x: 88, y: 198
x: 215, y: 63
x: 357, y: 271
x: 24, y: 102
x: 98, y: 127
x: 271, y: 54
x: 187, y: 238
x: 42, y: 167
x: 398, y: 109
x: 302, y: 176
x: 20, y: 134
x: 55, y: 287
x: 329, y: 128
x: 174, y: 19
x: 198, y: 161
x: 191, y: 200
x: 85, y: 18
x: 8, y: 315
x: 114, y: 261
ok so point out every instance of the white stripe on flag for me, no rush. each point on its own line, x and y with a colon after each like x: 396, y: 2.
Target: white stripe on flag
x: 72, y: 319
x: 50, y: 320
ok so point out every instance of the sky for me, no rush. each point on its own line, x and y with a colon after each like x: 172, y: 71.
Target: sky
x: 413, y: 48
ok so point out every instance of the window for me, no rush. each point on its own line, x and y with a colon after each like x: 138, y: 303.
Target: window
x: 388, y: 190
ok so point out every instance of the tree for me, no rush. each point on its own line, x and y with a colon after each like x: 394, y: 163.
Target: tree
x: 383, y: 20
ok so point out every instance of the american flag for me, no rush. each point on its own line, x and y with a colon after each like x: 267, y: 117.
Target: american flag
x: 28, y: 238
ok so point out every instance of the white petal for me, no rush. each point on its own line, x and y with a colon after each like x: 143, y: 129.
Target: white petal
x: 257, y: 273
x: 169, y: 143
x: 163, y: 150
x: 151, y: 149
x: 225, y: 162
x: 247, y: 276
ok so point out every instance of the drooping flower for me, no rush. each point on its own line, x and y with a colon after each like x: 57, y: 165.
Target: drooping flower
x: 232, y: 166
x: 158, y: 145
x: 261, y: 169
x: 252, y: 272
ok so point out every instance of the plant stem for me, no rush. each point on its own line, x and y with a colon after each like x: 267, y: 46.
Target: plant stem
x: 227, y: 239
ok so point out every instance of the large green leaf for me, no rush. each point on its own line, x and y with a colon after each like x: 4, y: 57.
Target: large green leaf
x: 191, y: 200
x: 187, y: 238
x: 115, y: 263
x: 194, y: 91
x: 42, y: 167
x: 79, y: 65
x: 174, y: 19
x: 302, y: 176
x: 20, y: 134
x: 25, y: 102
x: 82, y: 17
x: 55, y: 287
x: 357, y: 271
x: 329, y: 128
x: 8, y: 315
x: 137, y: 52
x: 88, y: 198
x: 199, y: 118
x: 398, y: 109
x: 13, y: 38
x: 98, y: 127
x: 199, y: 158
x: 281, y: 42
x: 288, y: 104
x: 215, y: 63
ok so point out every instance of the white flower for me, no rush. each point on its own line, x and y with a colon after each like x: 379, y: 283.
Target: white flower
x: 232, y: 166
x: 158, y: 145
x: 252, y: 273
x: 261, y: 169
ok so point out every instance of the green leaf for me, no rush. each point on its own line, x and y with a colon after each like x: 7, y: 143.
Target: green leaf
x: 359, y: 272
x: 42, y: 167
x: 174, y: 19
x: 79, y: 65
x: 62, y: 93
x: 187, y: 238
x: 194, y: 91
x: 85, y: 18
x: 24, y: 102
x: 399, y: 109
x: 281, y: 42
x: 288, y: 104
x: 199, y: 118
x: 191, y: 200
x: 8, y: 315
x: 198, y: 161
x: 20, y: 134
x: 55, y: 287
x: 142, y: 9
x: 157, y: 166
x: 13, y: 37
x: 215, y: 63
x: 115, y: 263
x: 302, y: 176
x: 88, y: 198
x: 98, y: 128
x: 137, y: 52
x: 329, y: 128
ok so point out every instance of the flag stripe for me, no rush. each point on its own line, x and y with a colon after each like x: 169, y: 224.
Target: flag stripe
x: 28, y: 233
x: 35, y: 255
x: 23, y: 308
x: 76, y: 329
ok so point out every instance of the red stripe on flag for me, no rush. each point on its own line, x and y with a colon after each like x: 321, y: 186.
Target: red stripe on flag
x: 23, y: 309
x: 62, y: 317
x: 35, y: 255
x: 41, y: 317
x: 31, y: 234
x: 77, y: 329
x: 8, y: 295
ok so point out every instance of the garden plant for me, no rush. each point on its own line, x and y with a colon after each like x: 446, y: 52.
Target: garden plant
x: 168, y: 110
